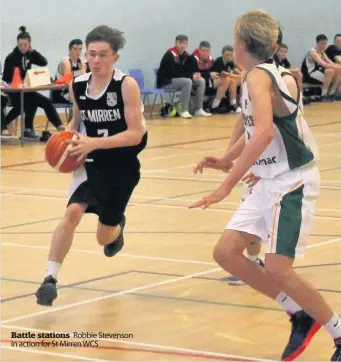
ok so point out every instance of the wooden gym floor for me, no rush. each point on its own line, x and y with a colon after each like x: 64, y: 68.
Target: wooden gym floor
x: 164, y: 287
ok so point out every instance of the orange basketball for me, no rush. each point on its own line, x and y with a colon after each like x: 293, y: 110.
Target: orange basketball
x: 56, y: 152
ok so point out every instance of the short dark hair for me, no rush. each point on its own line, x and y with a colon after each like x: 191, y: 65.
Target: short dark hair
x: 204, y: 44
x: 227, y: 48
x: 336, y: 36
x: 280, y: 36
x: 283, y: 46
x: 321, y: 37
x: 75, y: 42
x: 181, y: 37
x: 113, y: 37
x: 24, y: 34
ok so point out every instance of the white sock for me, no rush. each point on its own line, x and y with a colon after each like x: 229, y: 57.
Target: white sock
x: 332, y: 91
x: 52, y: 268
x: 287, y: 303
x: 333, y: 327
x: 252, y: 257
x: 215, y: 103
x: 324, y: 92
x: 233, y: 102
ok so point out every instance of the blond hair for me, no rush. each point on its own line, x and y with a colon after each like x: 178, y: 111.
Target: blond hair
x: 259, y: 31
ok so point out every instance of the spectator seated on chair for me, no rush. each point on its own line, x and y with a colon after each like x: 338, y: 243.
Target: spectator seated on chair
x: 317, y: 68
x: 23, y: 57
x: 226, y: 68
x: 4, y: 101
x: 73, y: 63
x: 281, y: 59
x: 215, y: 84
x: 334, y: 50
x: 178, y: 71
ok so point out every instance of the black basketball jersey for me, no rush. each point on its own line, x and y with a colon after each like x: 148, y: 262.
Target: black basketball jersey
x: 103, y: 116
x: 76, y: 69
x: 309, y: 65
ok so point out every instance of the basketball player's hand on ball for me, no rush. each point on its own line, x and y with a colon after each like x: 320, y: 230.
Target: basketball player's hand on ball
x: 213, y: 162
x: 82, y: 145
x: 221, y: 193
x: 250, y: 179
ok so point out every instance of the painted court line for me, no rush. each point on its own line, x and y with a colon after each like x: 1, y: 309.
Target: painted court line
x: 112, y: 295
x: 198, y: 353
x: 324, y: 243
x: 328, y: 134
x: 21, y: 192
x: 126, y: 255
x: 169, y: 206
x: 154, y: 351
x: 157, y: 170
x: 55, y: 354
x: 181, y: 154
x: 155, y: 258
x: 330, y: 144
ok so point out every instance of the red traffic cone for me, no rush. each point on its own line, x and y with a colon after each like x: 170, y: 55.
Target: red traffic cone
x: 16, y: 80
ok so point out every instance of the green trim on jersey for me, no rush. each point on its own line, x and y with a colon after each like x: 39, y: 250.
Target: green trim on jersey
x: 284, y: 95
x: 298, y: 153
x: 289, y: 222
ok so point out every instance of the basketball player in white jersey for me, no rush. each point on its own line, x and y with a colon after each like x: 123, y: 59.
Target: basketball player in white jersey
x: 253, y: 249
x: 276, y: 147
x: 112, y: 132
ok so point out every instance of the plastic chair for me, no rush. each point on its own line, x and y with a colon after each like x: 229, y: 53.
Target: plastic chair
x: 169, y: 91
x: 137, y: 74
x: 66, y: 106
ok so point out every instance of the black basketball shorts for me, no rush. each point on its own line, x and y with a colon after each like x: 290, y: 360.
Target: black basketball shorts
x: 105, y: 191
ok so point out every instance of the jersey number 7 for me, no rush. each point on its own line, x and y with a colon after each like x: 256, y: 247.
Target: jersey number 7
x: 103, y: 132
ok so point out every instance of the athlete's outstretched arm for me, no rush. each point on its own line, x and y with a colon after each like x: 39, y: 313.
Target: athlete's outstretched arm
x: 234, y: 149
x: 259, y: 86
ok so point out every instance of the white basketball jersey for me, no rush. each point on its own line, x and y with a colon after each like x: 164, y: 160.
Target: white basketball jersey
x: 293, y: 144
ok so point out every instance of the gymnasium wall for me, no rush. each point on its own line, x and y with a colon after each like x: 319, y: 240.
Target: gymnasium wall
x: 151, y: 25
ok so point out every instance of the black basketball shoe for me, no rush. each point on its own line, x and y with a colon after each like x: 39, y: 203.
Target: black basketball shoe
x: 302, y: 331
x: 114, y: 247
x: 47, y: 292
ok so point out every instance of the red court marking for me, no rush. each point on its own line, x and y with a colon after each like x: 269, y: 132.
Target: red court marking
x: 169, y: 353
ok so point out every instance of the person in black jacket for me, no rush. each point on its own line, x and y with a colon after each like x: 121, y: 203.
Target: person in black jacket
x: 23, y: 57
x: 334, y: 50
x: 281, y: 59
x: 216, y: 84
x: 178, y: 70
x: 226, y: 67
x: 4, y: 100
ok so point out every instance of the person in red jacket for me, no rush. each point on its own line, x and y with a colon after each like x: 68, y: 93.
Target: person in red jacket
x: 178, y: 71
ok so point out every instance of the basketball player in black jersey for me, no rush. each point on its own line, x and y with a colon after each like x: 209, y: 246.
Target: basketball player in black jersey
x: 107, y: 106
